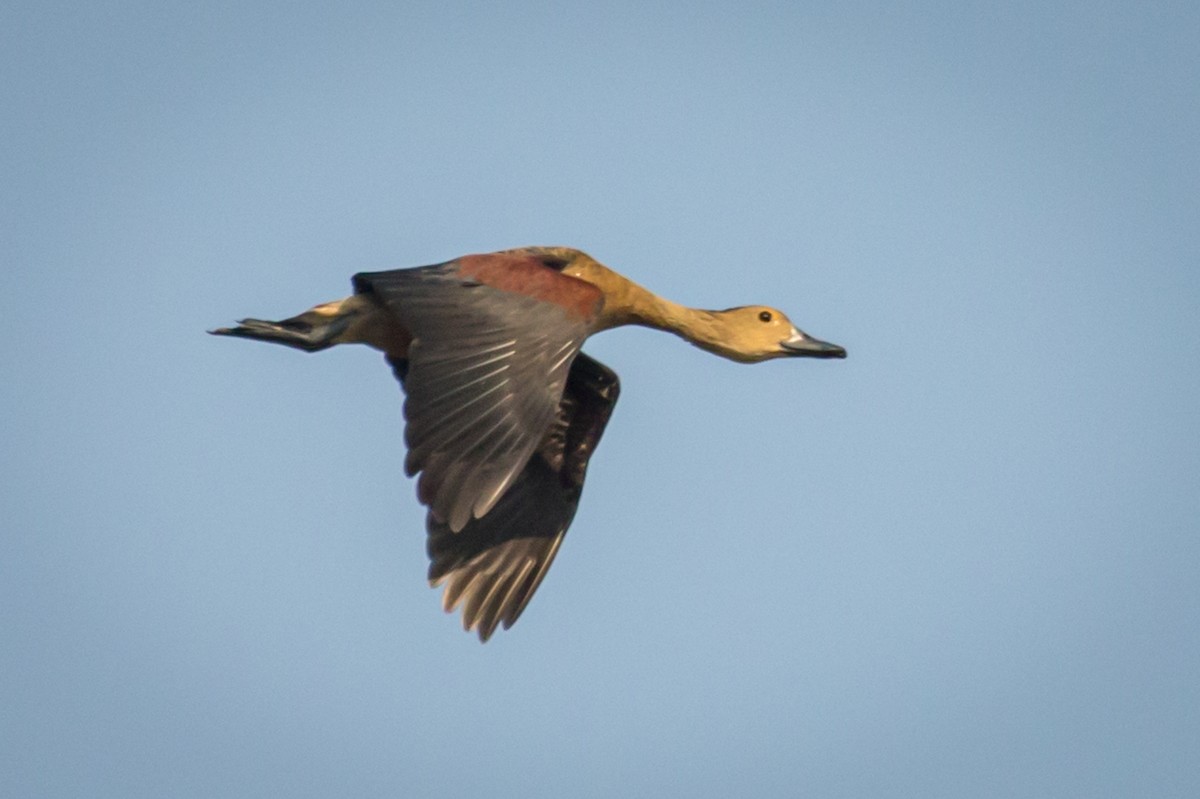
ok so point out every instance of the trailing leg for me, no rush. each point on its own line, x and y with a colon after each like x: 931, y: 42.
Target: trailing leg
x: 311, y: 331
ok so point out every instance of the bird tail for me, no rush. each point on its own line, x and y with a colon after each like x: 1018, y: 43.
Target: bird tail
x: 311, y: 331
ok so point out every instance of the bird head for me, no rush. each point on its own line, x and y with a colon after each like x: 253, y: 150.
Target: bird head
x: 753, y: 333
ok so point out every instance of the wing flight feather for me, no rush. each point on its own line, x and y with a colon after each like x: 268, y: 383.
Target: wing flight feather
x: 485, y: 373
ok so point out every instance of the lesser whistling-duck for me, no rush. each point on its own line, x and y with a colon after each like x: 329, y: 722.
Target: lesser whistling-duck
x: 503, y: 411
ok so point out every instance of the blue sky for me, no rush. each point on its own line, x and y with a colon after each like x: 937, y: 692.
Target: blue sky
x: 963, y: 562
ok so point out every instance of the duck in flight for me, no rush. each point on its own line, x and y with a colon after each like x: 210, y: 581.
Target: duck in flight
x: 502, y: 410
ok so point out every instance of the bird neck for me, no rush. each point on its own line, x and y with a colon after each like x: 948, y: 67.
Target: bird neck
x: 627, y: 303
x: 694, y: 325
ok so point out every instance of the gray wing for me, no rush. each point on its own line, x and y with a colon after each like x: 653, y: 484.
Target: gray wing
x: 485, y: 372
x: 495, y: 563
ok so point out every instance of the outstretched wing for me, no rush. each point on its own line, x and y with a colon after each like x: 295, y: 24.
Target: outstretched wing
x: 493, y: 338
x: 493, y: 565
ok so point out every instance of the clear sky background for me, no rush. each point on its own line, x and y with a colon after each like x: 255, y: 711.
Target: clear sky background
x: 963, y: 562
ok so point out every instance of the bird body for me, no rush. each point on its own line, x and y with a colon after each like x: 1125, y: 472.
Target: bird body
x: 503, y: 411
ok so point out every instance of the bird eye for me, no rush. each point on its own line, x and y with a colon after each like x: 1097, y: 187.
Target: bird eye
x: 765, y: 316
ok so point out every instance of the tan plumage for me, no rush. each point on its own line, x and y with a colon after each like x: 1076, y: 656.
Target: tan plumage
x: 503, y: 411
